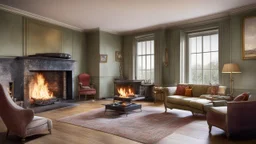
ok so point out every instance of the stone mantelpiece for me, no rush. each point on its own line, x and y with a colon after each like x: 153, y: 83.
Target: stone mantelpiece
x: 21, y: 69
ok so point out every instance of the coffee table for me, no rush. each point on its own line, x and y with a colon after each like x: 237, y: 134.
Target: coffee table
x: 124, y: 105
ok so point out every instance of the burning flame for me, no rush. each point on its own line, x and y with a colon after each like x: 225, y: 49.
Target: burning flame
x: 125, y: 92
x: 38, y: 88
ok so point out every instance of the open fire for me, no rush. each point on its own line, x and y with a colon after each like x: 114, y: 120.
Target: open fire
x: 39, y: 92
x: 125, y: 92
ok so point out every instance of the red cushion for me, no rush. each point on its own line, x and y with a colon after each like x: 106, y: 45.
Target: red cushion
x: 180, y: 89
x: 242, y: 97
x: 214, y: 90
x: 246, y: 96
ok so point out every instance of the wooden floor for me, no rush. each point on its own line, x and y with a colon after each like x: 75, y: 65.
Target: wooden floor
x: 63, y: 133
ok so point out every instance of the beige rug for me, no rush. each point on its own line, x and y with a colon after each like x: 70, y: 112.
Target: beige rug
x: 148, y: 126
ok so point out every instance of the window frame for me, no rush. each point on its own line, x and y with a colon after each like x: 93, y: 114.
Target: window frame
x: 144, y: 38
x: 188, y: 53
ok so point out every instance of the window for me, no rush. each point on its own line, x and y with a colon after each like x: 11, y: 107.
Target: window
x: 204, y: 57
x: 145, y: 60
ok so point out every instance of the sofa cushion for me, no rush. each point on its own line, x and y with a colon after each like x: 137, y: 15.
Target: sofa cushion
x: 188, y: 92
x: 242, y: 97
x: 199, y: 89
x: 180, y: 100
x: 198, y: 103
x: 180, y: 89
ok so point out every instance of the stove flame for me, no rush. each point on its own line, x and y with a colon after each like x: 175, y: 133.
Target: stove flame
x: 38, y: 88
x: 125, y: 92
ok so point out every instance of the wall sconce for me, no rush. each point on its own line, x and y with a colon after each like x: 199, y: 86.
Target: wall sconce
x: 165, y: 60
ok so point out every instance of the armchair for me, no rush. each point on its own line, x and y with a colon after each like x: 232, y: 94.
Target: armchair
x: 84, y: 87
x: 237, y: 117
x: 19, y: 121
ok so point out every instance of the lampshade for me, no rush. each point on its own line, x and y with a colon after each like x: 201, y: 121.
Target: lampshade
x: 231, y: 68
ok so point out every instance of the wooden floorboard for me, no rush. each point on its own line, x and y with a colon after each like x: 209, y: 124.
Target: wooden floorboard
x: 195, y: 132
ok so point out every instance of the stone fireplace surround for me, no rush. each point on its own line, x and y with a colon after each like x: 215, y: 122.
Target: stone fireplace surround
x: 20, y: 69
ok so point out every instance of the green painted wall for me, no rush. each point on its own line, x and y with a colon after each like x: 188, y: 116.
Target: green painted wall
x: 246, y: 80
x: 11, y: 34
x: 92, y: 59
x: 109, y: 44
x: 15, y: 35
x: 103, y: 74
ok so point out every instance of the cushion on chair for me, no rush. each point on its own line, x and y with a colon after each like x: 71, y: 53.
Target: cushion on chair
x: 242, y: 97
x: 36, y: 122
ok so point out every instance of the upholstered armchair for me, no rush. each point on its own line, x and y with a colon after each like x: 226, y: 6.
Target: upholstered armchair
x: 85, y: 88
x: 236, y: 118
x: 19, y: 121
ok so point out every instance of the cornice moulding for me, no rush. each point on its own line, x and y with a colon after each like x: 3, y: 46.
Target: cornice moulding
x: 37, y: 17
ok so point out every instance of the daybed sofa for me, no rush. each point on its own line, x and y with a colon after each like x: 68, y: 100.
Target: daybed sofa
x: 198, y: 102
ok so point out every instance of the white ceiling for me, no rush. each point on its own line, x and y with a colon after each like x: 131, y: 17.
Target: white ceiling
x: 122, y: 16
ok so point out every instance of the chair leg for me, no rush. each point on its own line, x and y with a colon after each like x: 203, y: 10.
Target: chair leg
x: 7, y: 133
x: 50, y: 131
x: 165, y: 109
x: 210, y: 128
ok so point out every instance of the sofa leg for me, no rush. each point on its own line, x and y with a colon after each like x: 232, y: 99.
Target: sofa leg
x: 210, y: 128
x: 23, y: 140
x: 7, y: 133
x: 50, y: 131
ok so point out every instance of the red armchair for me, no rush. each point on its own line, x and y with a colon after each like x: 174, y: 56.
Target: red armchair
x: 85, y: 88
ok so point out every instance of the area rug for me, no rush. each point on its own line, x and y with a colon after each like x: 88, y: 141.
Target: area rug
x: 147, y: 126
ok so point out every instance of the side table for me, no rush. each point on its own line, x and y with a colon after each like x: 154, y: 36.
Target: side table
x: 158, y: 91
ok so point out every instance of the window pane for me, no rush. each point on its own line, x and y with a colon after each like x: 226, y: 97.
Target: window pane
x: 199, y: 44
x: 192, y: 44
x: 139, y: 49
x: 199, y: 61
x: 143, y: 62
x: 148, y: 49
x: 215, y: 76
x: 207, y: 77
x: 193, y: 61
x: 192, y: 78
x: 199, y: 76
x: 214, y: 60
x: 152, y: 47
x: 139, y: 63
x: 214, y: 42
x: 206, y: 43
x: 143, y: 45
x: 206, y: 61
x: 152, y: 62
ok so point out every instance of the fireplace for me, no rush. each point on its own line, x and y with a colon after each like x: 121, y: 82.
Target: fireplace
x: 55, y: 74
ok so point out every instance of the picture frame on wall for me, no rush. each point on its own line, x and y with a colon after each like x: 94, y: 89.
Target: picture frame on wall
x: 249, y: 38
x: 118, y: 56
x: 103, y: 58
